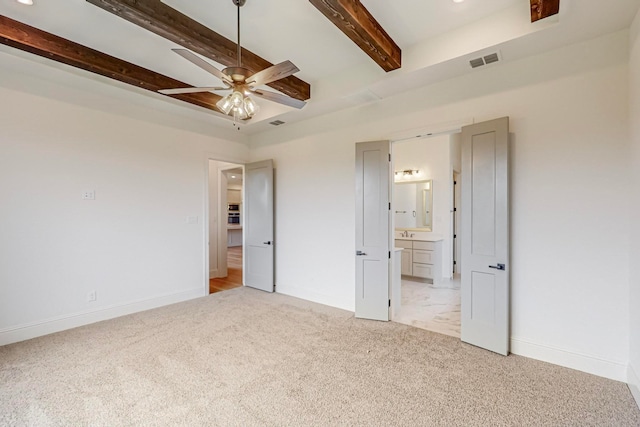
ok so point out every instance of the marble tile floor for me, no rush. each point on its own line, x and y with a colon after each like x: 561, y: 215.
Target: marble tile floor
x: 434, y: 307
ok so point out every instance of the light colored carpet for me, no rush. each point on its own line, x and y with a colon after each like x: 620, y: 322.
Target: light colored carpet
x: 243, y: 357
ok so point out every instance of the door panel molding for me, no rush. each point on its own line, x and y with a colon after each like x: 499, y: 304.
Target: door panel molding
x: 485, y: 289
x: 258, y: 271
x: 373, y: 235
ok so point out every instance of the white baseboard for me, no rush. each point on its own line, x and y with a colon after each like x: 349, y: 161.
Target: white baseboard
x: 582, y: 362
x: 213, y: 274
x: 634, y: 384
x: 305, y: 294
x: 60, y: 323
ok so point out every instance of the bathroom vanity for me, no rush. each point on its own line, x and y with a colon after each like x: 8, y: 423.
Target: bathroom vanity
x: 421, y: 257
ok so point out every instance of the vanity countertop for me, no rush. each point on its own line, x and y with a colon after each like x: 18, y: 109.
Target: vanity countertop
x: 421, y: 238
x: 397, y: 249
x: 234, y: 227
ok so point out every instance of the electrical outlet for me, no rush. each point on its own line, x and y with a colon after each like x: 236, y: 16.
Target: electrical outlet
x: 89, y: 195
x: 92, y: 296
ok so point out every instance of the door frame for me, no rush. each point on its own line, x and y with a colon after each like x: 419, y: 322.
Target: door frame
x: 206, y: 212
x: 440, y: 129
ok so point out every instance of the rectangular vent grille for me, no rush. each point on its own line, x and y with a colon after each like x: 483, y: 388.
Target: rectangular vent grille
x: 490, y: 59
x: 475, y: 63
x: 485, y: 60
x: 276, y: 122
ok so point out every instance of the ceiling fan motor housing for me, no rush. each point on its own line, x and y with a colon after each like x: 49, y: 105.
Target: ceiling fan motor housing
x: 239, y: 2
x: 237, y: 74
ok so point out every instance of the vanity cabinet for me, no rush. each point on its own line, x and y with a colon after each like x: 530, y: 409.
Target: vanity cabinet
x: 421, y: 258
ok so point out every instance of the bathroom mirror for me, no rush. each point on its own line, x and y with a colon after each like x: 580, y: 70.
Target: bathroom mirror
x: 413, y: 205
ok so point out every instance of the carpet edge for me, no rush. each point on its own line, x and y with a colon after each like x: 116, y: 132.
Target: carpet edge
x: 39, y: 328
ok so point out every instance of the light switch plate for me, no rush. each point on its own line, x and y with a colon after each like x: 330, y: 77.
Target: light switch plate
x: 89, y: 195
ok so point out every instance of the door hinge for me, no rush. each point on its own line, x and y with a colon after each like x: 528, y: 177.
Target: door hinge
x: 455, y: 263
x: 455, y: 209
x: 389, y: 254
x: 455, y: 182
x: 389, y: 205
x: 455, y: 236
x: 389, y: 303
x: 389, y: 156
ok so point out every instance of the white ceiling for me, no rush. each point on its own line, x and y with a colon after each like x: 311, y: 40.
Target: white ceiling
x: 437, y: 37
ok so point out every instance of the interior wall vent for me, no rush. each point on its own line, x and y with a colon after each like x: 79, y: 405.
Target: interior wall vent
x: 485, y: 60
x: 475, y: 63
x: 276, y: 122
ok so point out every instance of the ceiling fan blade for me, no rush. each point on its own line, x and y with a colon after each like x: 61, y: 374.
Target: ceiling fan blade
x: 195, y: 59
x: 273, y: 73
x: 279, y: 98
x: 178, y: 91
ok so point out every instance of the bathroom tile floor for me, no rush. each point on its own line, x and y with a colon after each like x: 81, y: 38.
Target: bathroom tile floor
x: 434, y: 307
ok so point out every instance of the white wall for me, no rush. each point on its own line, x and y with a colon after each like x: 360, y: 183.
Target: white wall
x: 570, y: 187
x: 634, y: 299
x: 432, y: 157
x: 132, y: 244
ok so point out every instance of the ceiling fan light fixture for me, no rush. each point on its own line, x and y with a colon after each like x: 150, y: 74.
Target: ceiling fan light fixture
x: 236, y: 99
x: 239, y: 113
x: 250, y: 106
x: 225, y: 105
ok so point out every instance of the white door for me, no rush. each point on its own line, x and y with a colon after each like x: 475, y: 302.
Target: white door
x: 258, y: 226
x: 373, y: 174
x: 485, y: 235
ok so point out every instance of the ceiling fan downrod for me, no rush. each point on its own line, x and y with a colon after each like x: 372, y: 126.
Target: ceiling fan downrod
x: 239, y: 4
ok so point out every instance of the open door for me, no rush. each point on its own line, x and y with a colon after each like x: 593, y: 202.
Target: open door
x: 258, y: 226
x: 485, y: 235
x: 373, y: 174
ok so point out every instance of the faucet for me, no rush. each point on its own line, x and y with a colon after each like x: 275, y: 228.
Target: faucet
x: 405, y: 233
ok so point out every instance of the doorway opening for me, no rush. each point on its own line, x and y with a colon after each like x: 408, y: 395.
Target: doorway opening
x: 424, y: 216
x: 226, y: 222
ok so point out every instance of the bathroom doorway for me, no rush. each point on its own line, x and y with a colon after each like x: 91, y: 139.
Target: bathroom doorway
x: 430, y: 288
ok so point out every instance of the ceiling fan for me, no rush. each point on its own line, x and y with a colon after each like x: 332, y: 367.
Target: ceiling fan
x: 241, y: 81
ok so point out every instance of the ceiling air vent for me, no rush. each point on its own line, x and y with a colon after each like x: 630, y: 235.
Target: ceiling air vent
x: 276, y: 122
x: 485, y: 60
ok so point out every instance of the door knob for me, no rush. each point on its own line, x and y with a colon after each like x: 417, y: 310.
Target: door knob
x: 267, y: 243
x: 360, y: 253
x: 498, y: 267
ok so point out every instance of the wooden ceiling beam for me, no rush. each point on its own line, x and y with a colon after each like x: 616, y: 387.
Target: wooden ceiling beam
x: 38, y: 42
x: 161, y: 19
x: 541, y: 9
x: 354, y: 20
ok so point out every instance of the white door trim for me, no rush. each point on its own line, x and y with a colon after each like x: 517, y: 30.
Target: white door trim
x: 205, y: 212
